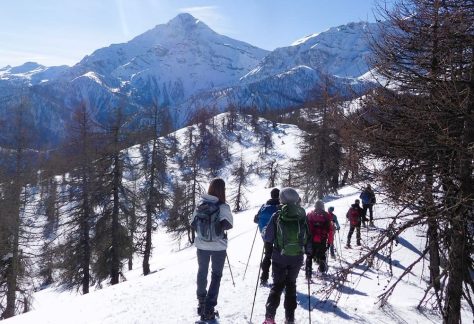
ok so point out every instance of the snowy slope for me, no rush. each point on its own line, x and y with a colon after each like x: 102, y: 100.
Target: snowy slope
x: 31, y: 73
x: 340, y: 51
x: 168, y: 294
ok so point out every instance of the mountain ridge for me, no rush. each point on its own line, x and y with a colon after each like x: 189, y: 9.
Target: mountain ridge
x: 185, y: 66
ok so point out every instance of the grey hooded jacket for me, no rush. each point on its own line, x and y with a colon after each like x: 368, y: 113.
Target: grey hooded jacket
x: 226, y: 220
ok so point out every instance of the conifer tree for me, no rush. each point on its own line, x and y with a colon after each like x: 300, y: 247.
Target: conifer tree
x: 239, y: 181
x: 18, y: 171
x: 112, y: 241
x: 155, y: 180
x: 78, y: 215
x: 321, y: 153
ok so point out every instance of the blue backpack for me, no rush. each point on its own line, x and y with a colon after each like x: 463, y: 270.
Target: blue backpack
x: 366, y: 197
x: 264, y: 215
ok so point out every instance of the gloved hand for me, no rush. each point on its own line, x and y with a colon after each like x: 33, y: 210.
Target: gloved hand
x: 255, y: 219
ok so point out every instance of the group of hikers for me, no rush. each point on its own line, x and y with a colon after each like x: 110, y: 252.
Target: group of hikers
x: 288, y: 234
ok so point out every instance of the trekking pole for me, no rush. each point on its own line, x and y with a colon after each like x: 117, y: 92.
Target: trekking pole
x: 256, y: 286
x: 230, y: 269
x: 340, y: 246
x: 309, y: 301
x: 251, y: 249
x: 367, y: 235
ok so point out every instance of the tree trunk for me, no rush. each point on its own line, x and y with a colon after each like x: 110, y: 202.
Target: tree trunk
x: 149, y: 211
x: 458, y: 254
x: 86, y: 257
x: 115, y: 266
x: 12, y: 272
x: 432, y: 233
x: 452, y: 310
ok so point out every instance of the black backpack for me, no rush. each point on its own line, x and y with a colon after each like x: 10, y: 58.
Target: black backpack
x: 207, y: 223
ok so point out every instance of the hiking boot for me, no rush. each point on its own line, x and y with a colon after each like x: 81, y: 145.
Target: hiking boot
x: 269, y: 320
x: 290, y: 321
x: 371, y: 224
x: 333, y: 255
x: 263, y: 282
x: 358, y: 244
x: 348, y: 246
x: 209, y: 315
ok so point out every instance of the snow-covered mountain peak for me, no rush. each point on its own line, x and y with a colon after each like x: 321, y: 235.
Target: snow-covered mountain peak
x: 340, y: 51
x: 24, y: 70
x: 185, y: 21
x: 26, y: 67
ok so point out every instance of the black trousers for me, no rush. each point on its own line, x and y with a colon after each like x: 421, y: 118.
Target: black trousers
x: 351, y: 231
x: 366, y: 207
x: 284, y: 277
x: 319, y: 255
x: 267, y: 260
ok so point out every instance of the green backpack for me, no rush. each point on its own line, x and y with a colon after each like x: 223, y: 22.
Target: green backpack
x: 291, y: 230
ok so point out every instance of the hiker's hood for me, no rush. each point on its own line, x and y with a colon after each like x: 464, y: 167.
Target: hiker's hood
x: 209, y: 198
x: 292, y: 212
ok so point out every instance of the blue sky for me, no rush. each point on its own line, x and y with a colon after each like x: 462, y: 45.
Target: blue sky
x: 55, y: 32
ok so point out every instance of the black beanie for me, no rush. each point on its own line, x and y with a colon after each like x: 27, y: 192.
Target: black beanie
x: 275, y: 193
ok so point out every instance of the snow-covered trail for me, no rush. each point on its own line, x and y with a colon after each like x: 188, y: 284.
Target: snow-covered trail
x: 168, y: 295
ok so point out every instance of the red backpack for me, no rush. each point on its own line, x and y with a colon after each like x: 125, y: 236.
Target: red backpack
x: 353, y: 215
x: 319, y: 224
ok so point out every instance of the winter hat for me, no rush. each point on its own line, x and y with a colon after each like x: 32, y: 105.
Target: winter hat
x: 275, y: 193
x: 331, y: 209
x: 319, y: 205
x: 289, y: 196
x: 357, y: 201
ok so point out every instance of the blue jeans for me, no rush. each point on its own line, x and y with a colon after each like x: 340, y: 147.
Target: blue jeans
x: 217, y: 259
